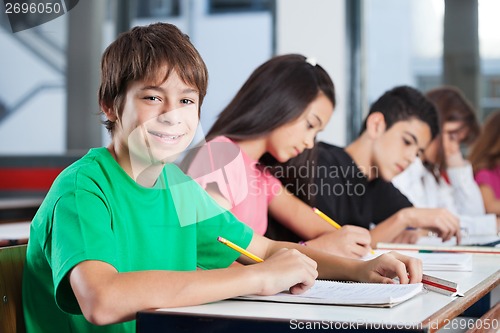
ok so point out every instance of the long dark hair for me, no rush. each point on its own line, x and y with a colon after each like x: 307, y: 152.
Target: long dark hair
x: 276, y: 93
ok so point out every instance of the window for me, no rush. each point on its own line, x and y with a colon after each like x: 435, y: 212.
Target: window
x: 231, y: 6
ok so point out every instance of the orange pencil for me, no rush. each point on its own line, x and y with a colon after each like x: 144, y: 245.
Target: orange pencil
x: 239, y: 249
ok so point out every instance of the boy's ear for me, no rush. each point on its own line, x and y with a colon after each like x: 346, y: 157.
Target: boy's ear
x: 375, y: 124
x: 108, y: 111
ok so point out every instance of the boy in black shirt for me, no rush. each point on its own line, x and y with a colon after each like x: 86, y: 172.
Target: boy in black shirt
x: 352, y: 185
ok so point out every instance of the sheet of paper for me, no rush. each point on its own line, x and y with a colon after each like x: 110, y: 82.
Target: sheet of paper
x: 344, y: 293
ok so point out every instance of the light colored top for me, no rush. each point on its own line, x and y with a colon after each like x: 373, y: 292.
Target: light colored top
x: 461, y: 195
x: 95, y: 211
x: 491, y: 178
x: 246, y: 185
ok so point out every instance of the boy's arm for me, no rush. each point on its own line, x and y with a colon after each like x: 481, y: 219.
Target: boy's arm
x: 438, y: 220
x: 106, y: 296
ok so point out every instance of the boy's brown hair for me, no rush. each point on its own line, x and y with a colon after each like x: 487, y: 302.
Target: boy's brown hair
x: 142, y: 54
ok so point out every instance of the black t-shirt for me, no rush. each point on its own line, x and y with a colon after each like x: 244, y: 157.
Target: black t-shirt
x: 346, y: 195
x: 340, y: 190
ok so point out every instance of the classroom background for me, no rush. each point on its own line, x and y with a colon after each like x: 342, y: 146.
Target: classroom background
x: 50, y: 73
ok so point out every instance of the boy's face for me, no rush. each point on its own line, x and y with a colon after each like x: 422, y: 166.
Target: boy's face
x: 158, y: 121
x: 396, y: 148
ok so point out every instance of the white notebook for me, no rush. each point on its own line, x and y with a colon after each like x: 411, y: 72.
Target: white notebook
x: 347, y: 293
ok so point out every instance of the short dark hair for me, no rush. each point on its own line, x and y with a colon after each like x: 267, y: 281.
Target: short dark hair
x: 405, y: 103
x: 276, y: 93
x: 138, y: 54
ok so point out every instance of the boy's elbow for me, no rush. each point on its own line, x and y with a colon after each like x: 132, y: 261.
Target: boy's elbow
x: 99, y: 311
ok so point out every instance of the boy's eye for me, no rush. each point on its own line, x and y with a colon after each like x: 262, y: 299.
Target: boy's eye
x: 406, y: 142
x: 152, y: 98
x: 309, y: 125
x: 186, y: 101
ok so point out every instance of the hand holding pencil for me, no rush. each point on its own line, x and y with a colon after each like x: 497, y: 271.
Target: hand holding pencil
x: 287, y: 269
x: 362, y: 236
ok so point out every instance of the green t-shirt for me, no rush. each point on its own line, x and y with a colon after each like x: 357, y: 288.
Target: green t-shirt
x: 95, y: 211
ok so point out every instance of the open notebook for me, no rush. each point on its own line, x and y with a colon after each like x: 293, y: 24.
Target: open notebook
x: 347, y: 293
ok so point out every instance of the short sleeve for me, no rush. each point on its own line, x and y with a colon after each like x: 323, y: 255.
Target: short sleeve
x: 483, y: 177
x: 81, y: 230
x: 388, y: 200
x: 221, y: 162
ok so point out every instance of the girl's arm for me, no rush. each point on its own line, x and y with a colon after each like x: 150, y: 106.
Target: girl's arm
x: 491, y: 203
x: 349, y: 241
x: 379, y: 270
x: 467, y: 199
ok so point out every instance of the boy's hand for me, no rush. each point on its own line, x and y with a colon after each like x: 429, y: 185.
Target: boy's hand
x: 439, y: 220
x: 349, y: 241
x: 390, y: 265
x: 408, y: 237
x: 287, y: 269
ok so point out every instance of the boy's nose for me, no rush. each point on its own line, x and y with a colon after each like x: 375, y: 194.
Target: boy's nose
x: 171, y: 117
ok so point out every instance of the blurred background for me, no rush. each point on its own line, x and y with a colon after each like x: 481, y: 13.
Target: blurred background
x: 49, y: 74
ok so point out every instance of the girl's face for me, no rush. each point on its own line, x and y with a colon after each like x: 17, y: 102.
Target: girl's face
x: 291, y: 139
x: 452, y: 134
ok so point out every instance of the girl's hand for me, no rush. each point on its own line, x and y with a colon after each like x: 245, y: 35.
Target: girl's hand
x: 287, y: 269
x: 349, y: 241
x: 452, y: 136
x: 390, y: 265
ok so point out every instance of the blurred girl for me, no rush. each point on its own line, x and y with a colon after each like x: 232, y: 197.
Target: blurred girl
x: 485, y: 159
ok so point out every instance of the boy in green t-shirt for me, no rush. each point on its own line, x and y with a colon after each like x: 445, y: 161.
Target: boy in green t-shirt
x: 123, y: 230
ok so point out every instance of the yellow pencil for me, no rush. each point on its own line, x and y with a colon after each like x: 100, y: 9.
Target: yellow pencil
x: 239, y: 249
x: 327, y: 218
x: 332, y: 222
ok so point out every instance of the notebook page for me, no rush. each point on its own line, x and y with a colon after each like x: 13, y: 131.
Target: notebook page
x: 342, y: 293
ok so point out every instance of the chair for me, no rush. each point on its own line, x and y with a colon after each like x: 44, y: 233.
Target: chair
x: 11, y: 276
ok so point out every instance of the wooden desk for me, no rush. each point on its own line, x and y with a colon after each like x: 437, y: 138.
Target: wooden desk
x: 424, y: 313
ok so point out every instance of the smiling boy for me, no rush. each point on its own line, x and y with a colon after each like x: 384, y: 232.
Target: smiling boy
x: 123, y: 229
